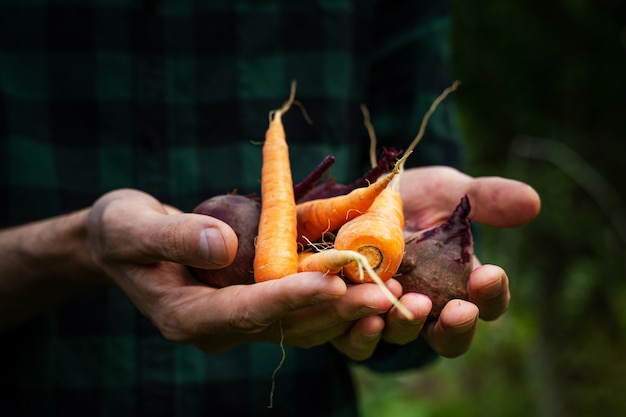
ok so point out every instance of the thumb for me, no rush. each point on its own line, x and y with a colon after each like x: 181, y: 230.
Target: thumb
x: 503, y: 202
x: 260, y: 305
x: 194, y: 239
x: 227, y: 317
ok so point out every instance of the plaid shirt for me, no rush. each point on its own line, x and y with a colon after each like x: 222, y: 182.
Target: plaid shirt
x: 170, y: 97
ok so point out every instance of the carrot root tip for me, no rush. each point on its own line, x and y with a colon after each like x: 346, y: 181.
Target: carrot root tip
x: 372, y: 254
x: 364, y: 266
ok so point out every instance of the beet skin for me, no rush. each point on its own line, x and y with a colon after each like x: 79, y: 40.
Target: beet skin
x: 242, y: 214
x: 438, y: 261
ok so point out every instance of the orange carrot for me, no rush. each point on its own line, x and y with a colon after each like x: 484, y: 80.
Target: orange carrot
x: 315, y: 217
x: 331, y: 261
x: 276, y: 252
x: 378, y: 235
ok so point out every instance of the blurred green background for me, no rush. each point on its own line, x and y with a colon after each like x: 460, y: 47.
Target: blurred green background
x: 542, y: 101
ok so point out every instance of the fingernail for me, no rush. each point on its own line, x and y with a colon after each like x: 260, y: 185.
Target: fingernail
x: 213, y: 247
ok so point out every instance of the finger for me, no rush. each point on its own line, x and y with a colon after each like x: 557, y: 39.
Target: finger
x: 361, y: 340
x: 452, y: 334
x: 444, y: 187
x: 130, y: 225
x: 502, y: 202
x: 195, y: 240
x: 488, y: 288
x: 274, y: 299
x: 190, y: 239
x: 362, y: 300
x: 495, y: 201
x: 329, y: 319
x: 398, y: 329
x: 312, y: 326
x: 195, y: 311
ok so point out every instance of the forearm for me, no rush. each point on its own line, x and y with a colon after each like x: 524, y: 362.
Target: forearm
x: 44, y: 264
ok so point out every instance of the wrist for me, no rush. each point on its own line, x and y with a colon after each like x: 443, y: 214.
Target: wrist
x: 45, y: 263
x: 59, y: 246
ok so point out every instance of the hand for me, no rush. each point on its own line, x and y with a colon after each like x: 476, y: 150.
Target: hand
x: 142, y: 247
x: 430, y: 195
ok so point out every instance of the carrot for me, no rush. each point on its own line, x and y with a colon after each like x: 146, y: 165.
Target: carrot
x: 315, y: 217
x: 276, y: 252
x: 331, y: 261
x: 378, y: 235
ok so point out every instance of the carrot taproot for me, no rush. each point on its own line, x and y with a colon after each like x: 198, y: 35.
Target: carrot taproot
x: 377, y: 234
x: 332, y: 261
x: 316, y: 217
x: 276, y: 252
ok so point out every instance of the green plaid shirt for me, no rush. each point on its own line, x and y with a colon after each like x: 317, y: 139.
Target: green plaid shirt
x: 172, y: 97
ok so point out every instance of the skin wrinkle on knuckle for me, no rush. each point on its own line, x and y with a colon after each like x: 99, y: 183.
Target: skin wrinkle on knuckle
x: 118, y: 234
x: 176, y: 242
x: 168, y: 240
x: 490, y: 295
x: 172, y: 327
x: 102, y: 235
x: 493, y: 298
x: 246, y: 321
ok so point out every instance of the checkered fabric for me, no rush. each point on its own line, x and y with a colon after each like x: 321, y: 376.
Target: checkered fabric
x: 172, y: 97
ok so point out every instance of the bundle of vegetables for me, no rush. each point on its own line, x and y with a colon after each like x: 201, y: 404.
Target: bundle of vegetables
x: 354, y: 230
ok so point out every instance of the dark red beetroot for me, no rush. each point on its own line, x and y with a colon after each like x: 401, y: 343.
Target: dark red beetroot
x: 307, y: 190
x: 438, y: 261
x: 242, y: 214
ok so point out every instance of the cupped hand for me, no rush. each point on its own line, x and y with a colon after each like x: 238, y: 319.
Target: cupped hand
x: 143, y: 246
x: 430, y: 194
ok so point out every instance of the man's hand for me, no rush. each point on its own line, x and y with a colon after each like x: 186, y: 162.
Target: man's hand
x: 143, y: 247
x: 430, y: 195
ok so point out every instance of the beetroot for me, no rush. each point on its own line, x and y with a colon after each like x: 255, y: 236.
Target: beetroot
x: 301, y: 189
x: 242, y: 214
x: 330, y: 188
x: 438, y: 261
